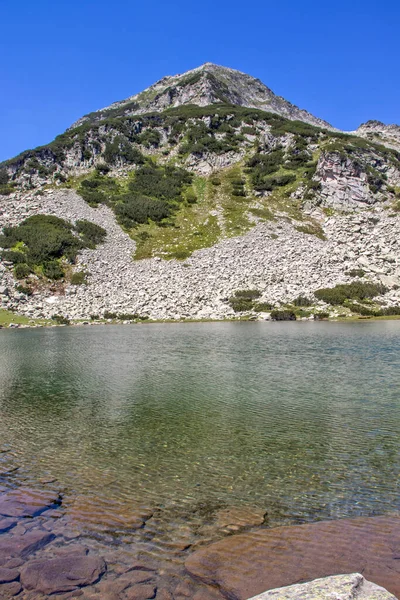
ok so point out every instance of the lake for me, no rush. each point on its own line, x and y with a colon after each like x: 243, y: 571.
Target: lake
x: 170, y: 424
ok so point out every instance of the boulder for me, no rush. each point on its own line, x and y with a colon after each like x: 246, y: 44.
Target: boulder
x: 64, y: 574
x: 338, y: 587
x: 8, y: 575
x: 23, y: 545
x: 247, y: 564
x: 27, y: 503
x: 6, y: 524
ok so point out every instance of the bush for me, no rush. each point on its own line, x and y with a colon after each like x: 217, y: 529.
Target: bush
x: 135, y: 209
x: 4, y: 178
x: 321, y: 316
x: 78, y: 278
x: 270, y: 183
x: 103, y: 168
x: 21, y: 270
x: 240, y: 304
x: 53, y: 270
x: 352, y: 291
x: 355, y: 273
x: 302, y: 301
x: 247, y: 294
x: 44, y: 241
x: 91, y: 233
x: 283, y: 315
x: 110, y: 315
x: 362, y: 310
x: 24, y: 289
x: 60, y: 320
x: 262, y: 307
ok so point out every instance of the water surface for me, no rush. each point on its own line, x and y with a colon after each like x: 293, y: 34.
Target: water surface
x: 299, y: 419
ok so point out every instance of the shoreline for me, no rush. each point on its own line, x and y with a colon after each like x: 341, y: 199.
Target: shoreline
x: 13, y: 324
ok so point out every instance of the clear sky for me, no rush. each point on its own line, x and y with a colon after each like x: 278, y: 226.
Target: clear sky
x: 64, y: 58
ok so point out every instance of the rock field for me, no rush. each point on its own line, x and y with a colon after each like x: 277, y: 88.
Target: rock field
x: 273, y: 257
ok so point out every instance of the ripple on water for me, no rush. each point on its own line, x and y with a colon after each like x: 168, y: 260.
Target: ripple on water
x: 150, y: 432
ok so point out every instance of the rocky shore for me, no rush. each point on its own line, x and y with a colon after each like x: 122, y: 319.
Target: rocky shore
x: 46, y: 553
x: 274, y: 257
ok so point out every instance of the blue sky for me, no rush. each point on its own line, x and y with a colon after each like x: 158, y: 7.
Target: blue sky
x: 62, y: 59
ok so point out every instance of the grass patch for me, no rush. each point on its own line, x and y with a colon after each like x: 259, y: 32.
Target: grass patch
x: 7, y: 317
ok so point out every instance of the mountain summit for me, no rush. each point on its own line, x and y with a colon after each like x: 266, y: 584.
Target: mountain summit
x: 205, y: 85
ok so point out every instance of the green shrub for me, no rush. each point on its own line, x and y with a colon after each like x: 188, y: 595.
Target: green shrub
x: 390, y: 311
x: 13, y: 256
x: 352, y: 291
x: 283, y: 315
x: 302, y: 301
x: 78, y: 278
x: 103, y: 169
x: 362, y: 310
x: 53, y: 270
x: 4, y: 177
x: 110, y: 315
x: 262, y: 307
x: 21, y: 270
x: 135, y: 209
x: 91, y: 233
x: 248, y: 294
x: 270, y: 183
x: 61, y: 320
x: 44, y: 241
x: 355, y: 273
x: 321, y: 316
x: 24, y: 289
x: 240, y: 304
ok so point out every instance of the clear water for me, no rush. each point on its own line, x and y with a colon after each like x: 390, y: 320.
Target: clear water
x: 299, y: 419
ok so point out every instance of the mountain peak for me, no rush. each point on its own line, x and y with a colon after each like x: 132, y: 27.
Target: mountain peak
x: 205, y: 85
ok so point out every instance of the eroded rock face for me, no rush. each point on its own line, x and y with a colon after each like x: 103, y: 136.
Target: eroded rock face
x: 62, y: 574
x: 344, y: 184
x: 248, y: 564
x: 339, y: 587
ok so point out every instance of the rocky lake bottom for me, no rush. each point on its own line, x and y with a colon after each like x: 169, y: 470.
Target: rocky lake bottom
x: 163, y: 461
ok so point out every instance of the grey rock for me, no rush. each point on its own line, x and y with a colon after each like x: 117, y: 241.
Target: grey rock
x: 337, y: 587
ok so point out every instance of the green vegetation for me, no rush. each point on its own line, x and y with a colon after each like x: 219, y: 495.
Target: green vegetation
x: 7, y: 317
x: 78, y: 278
x: 108, y: 315
x: 302, y: 301
x: 43, y: 243
x: 152, y: 194
x: 60, y: 320
x: 283, y: 315
x: 355, y: 273
x: 351, y: 291
x: 311, y: 229
x: 244, y: 300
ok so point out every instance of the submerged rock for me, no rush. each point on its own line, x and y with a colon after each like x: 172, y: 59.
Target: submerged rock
x: 250, y: 563
x: 27, y: 503
x: 23, y: 545
x: 63, y: 574
x: 339, y: 587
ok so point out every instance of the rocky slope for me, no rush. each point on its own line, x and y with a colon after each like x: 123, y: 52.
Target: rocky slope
x: 234, y: 197
x: 378, y: 132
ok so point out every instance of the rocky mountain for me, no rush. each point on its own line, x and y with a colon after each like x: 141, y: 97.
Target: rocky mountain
x: 206, y: 196
x: 378, y: 132
x: 203, y: 86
